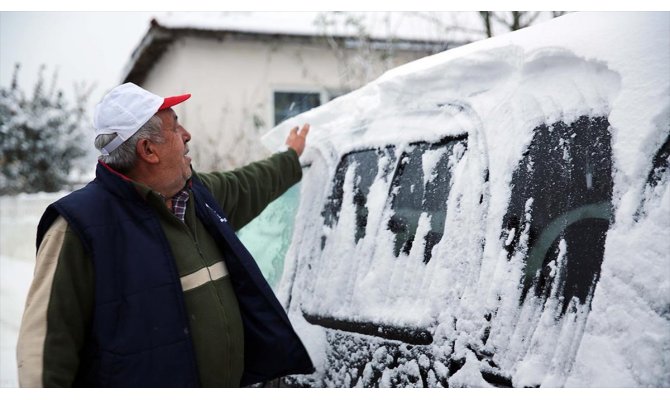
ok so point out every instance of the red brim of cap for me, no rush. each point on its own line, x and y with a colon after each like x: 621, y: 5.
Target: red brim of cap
x: 173, y: 101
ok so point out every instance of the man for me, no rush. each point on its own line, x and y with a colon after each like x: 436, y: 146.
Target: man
x: 140, y: 280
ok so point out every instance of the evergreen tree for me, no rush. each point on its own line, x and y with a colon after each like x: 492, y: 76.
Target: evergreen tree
x: 41, y: 137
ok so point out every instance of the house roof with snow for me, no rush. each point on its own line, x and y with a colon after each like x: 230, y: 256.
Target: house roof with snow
x: 383, y: 30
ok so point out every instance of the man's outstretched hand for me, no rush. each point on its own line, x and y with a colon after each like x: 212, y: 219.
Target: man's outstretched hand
x: 296, y: 140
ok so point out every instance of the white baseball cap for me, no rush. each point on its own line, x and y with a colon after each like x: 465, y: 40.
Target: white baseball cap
x: 125, y: 109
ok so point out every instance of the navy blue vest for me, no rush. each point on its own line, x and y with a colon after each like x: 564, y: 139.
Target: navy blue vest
x: 140, y: 333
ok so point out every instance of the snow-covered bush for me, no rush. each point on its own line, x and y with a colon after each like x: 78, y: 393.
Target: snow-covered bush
x: 41, y: 137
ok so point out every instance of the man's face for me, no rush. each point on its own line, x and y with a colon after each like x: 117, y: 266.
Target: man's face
x: 175, y: 164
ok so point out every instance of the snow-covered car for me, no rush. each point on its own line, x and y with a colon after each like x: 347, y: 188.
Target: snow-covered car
x: 494, y: 215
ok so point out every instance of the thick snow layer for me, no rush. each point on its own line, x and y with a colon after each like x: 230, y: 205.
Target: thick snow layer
x: 15, y: 277
x: 580, y: 67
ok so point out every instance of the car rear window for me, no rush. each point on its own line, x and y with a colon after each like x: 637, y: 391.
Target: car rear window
x: 407, y: 189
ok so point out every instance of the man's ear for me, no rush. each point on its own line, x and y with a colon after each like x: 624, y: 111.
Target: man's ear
x: 146, y: 151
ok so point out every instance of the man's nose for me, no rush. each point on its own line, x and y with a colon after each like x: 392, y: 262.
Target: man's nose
x: 185, y: 135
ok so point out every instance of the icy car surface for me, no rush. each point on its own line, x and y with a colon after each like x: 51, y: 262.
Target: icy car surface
x: 495, y: 215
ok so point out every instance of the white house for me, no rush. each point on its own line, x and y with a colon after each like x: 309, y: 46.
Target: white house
x: 247, y: 73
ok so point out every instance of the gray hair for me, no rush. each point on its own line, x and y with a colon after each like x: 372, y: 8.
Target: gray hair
x: 123, y: 158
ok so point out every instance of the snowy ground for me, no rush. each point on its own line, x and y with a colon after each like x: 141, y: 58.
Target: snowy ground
x: 19, y: 216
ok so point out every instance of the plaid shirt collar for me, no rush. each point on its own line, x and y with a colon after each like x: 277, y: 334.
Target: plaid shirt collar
x: 179, y: 202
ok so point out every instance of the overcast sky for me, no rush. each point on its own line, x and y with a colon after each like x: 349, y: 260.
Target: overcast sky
x: 89, y: 47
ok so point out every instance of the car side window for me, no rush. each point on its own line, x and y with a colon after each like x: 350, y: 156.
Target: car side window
x: 658, y: 176
x: 421, y: 186
x: 660, y: 165
x: 560, y: 209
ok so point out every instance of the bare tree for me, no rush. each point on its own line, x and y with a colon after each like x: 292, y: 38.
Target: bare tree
x: 511, y: 20
x: 454, y: 32
x: 362, y: 56
x: 486, y: 20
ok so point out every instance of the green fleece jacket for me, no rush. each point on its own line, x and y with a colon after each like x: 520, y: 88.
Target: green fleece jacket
x: 60, y: 302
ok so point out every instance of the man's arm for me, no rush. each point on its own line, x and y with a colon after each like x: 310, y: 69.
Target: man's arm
x: 245, y: 192
x: 58, y: 311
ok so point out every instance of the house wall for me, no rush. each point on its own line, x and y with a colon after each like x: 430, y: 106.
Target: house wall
x: 232, y: 83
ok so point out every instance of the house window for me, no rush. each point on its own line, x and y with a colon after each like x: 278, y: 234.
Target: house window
x: 289, y: 104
